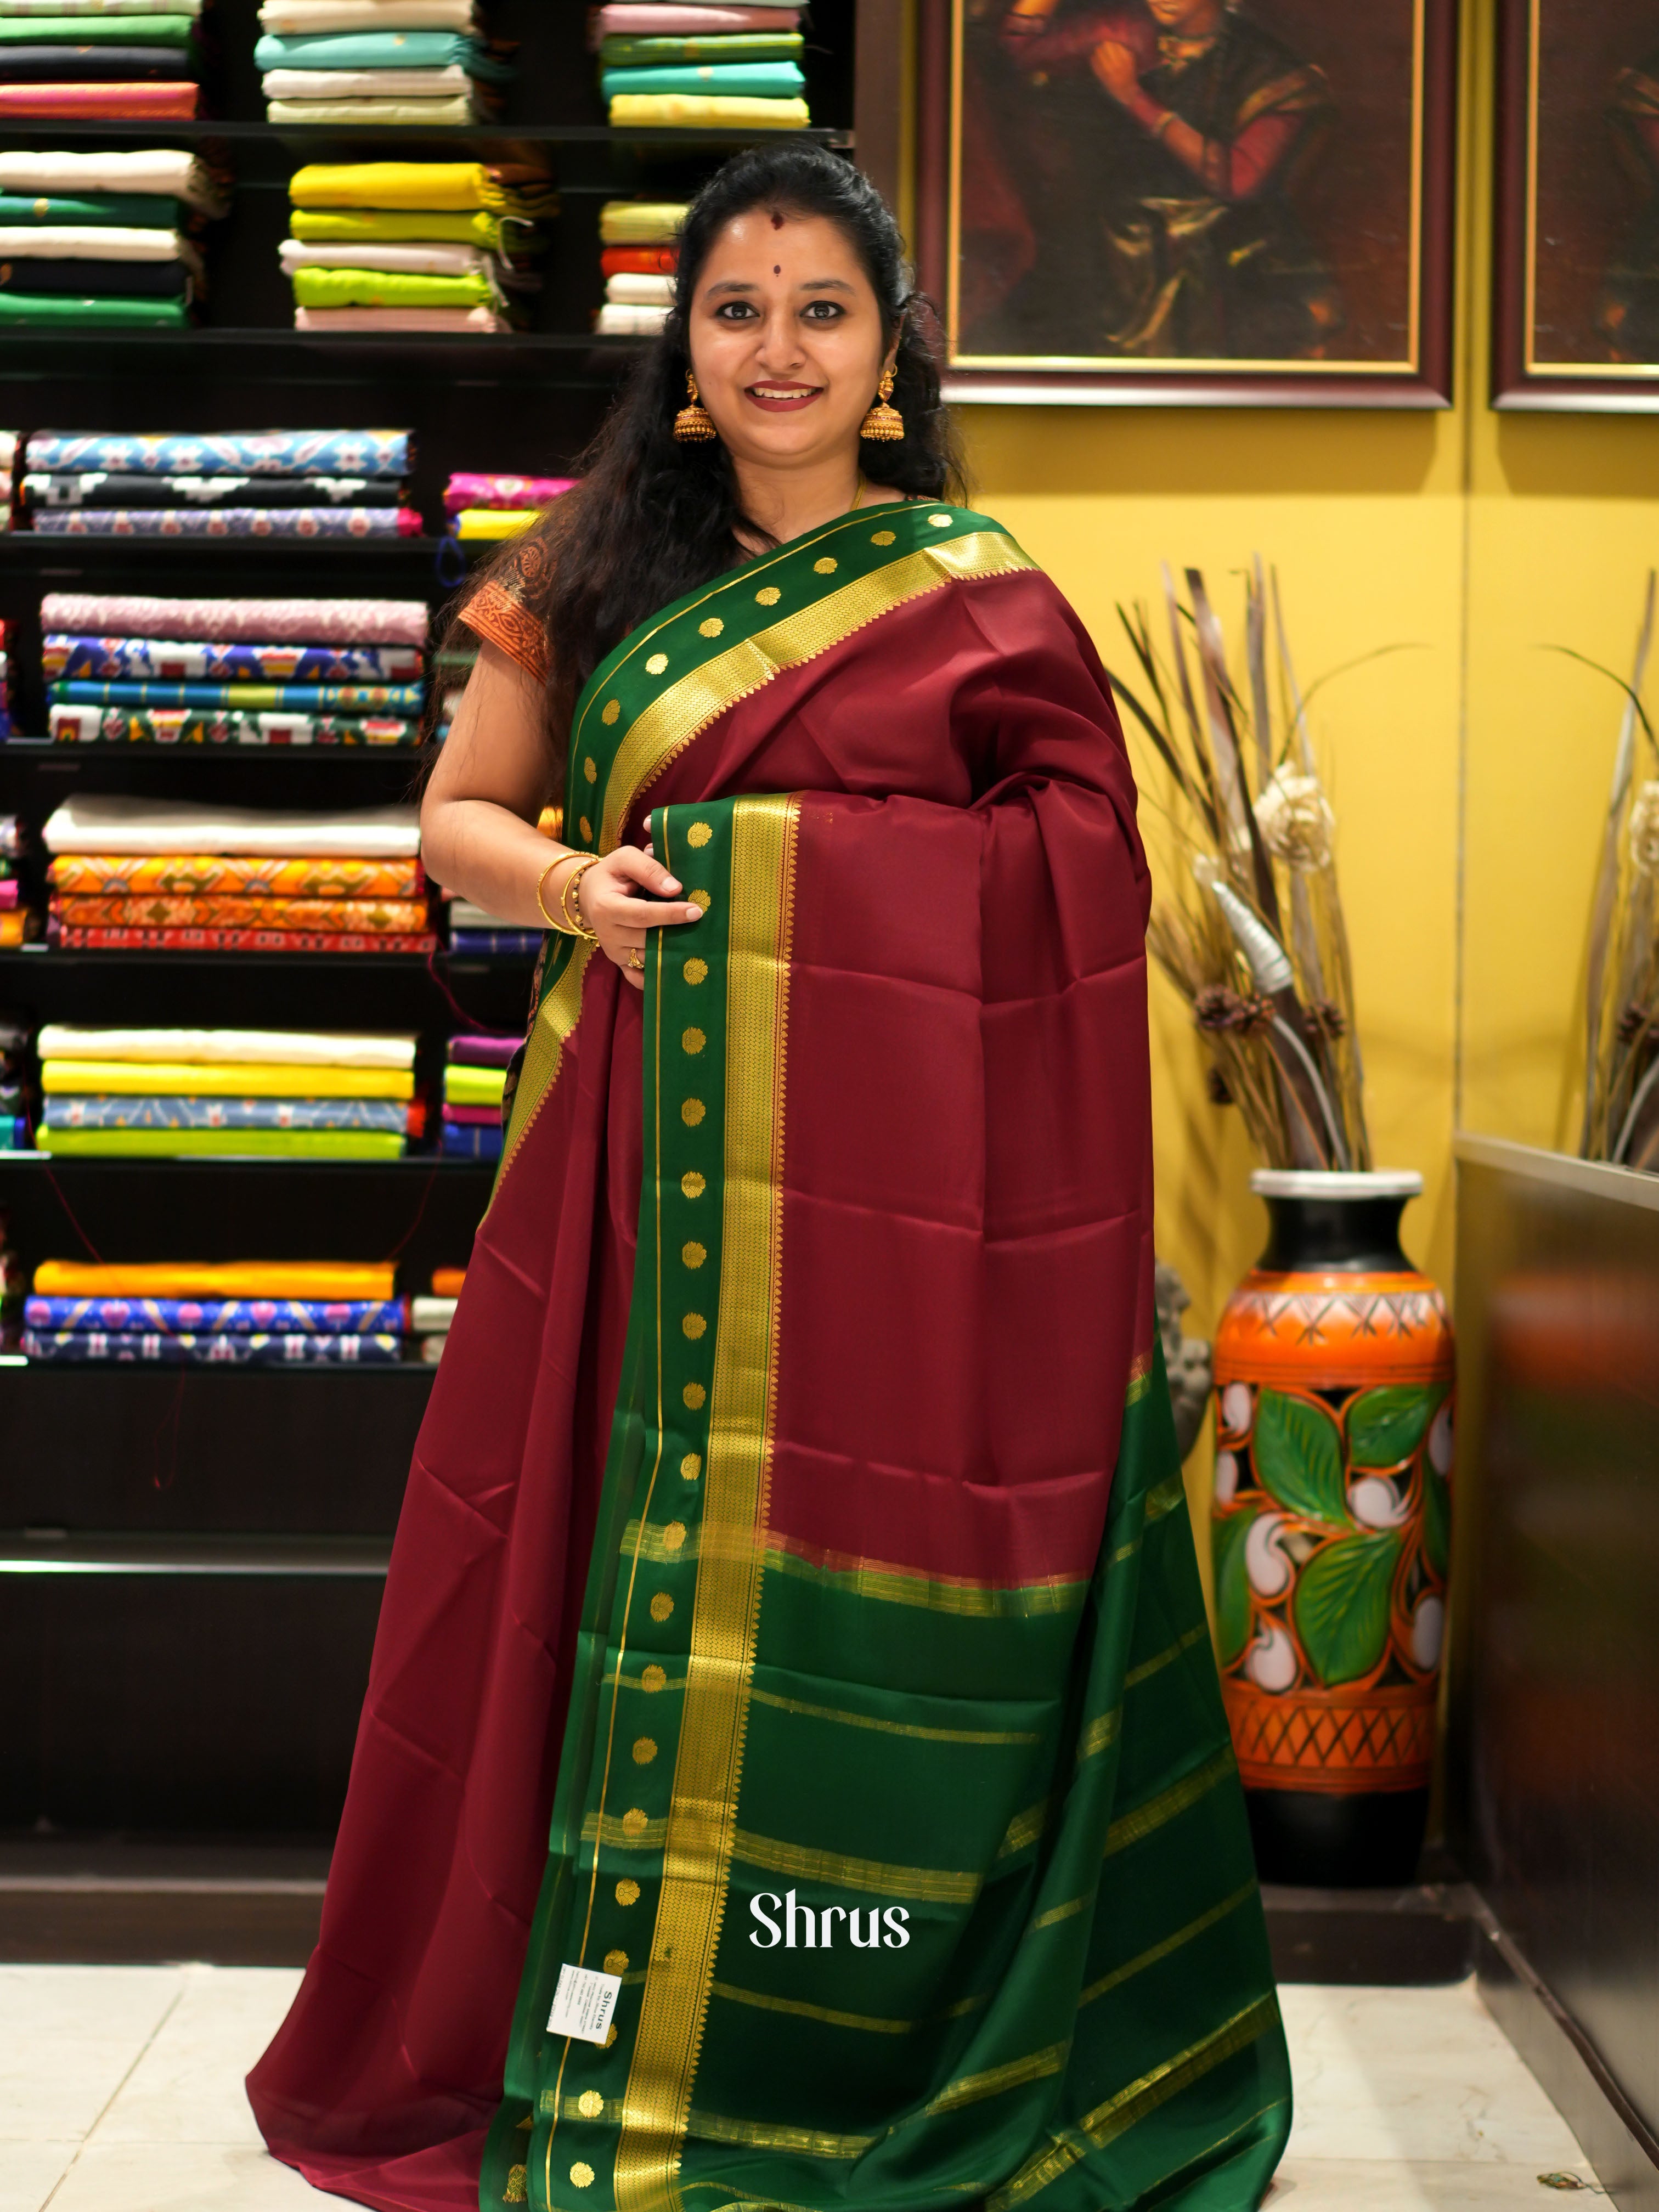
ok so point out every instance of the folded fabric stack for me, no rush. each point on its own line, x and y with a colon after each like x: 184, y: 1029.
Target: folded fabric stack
x: 9, y: 444
x: 638, y: 254
x: 486, y: 507
x: 104, y: 239
x: 14, y: 1282
x: 451, y: 667
x: 698, y: 66
x: 62, y: 59
x: 121, y: 669
x: 473, y: 929
x: 176, y: 1094
x: 473, y: 1082
x: 19, y: 924
x: 429, y: 1318
x: 253, y: 1313
x: 7, y: 729
x: 14, y: 1094
x: 415, y: 246
x: 233, y: 483
x: 163, y: 875
x: 419, y: 62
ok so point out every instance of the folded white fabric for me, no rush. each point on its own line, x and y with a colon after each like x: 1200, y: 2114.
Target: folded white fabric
x: 415, y: 260
x: 218, y: 1048
x: 431, y: 1316
x: 164, y: 172
x: 90, y: 241
x: 366, y: 84
x: 640, y: 291
x: 436, y: 112
x: 307, y: 15
x: 619, y: 322
x: 102, y: 822
x: 438, y: 319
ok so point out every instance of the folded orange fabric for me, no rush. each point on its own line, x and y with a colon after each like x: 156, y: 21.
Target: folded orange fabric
x: 157, y: 910
x: 235, y: 1278
x: 447, y: 1282
x: 201, y: 875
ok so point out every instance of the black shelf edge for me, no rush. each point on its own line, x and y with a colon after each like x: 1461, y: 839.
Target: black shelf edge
x: 204, y: 130
x: 31, y: 1552
x: 39, y: 752
x: 104, y: 1164
x: 18, y: 961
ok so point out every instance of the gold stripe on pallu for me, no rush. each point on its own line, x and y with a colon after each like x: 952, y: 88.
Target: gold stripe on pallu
x: 837, y: 1870
x: 1200, y: 1633
x: 878, y: 1579
x: 1168, y: 1803
x: 1099, y: 1733
x: 1119, y: 2113
x: 663, y: 730
x: 777, y: 2135
x: 726, y: 1611
x: 865, y: 2023
x: 845, y: 1719
x: 1026, y: 1827
x: 556, y: 1017
x: 1140, y: 1380
x: 1151, y: 1956
x: 1011, y: 2074
x: 1163, y: 1496
x: 608, y: 1831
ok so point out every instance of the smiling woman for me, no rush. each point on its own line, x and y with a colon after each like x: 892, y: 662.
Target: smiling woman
x: 796, y: 1538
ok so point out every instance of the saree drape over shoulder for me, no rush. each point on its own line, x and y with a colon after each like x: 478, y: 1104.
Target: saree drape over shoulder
x: 794, y: 1613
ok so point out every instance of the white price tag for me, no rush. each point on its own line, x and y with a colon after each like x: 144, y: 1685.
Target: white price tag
x: 583, y: 2003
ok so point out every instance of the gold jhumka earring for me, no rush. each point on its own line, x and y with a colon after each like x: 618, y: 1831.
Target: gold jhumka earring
x: 883, y: 422
x: 694, y: 424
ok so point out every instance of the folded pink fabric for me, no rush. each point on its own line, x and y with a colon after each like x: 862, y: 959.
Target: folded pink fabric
x: 61, y: 102
x: 274, y: 622
x: 397, y: 319
x: 477, y: 1115
x: 660, y: 19
x: 463, y: 491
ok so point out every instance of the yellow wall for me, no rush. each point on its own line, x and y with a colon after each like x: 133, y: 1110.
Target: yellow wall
x: 1467, y: 777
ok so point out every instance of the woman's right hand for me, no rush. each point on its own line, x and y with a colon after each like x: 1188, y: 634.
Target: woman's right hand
x: 609, y: 905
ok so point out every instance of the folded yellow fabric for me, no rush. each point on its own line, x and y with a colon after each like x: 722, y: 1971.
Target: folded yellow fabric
x: 474, y: 1086
x: 237, y: 1144
x: 419, y: 113
x: 440, y: 184
x: 234, y: 1279
x: 495, y: 521
x: 695, y: 111
x: 223, y: 1079
x: 640, y: 223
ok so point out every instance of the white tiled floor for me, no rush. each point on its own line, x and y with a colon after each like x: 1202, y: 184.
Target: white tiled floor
x: 121, y: 2091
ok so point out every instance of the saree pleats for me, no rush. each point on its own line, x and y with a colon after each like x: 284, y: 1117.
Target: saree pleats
x: 794, y: 1614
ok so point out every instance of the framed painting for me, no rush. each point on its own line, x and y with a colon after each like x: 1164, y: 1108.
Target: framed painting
x: 1576, y: 302
x: 1190, y: 201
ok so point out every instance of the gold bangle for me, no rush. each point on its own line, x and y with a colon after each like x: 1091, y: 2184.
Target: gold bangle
x: 574, y: 926
x: 540, y: 882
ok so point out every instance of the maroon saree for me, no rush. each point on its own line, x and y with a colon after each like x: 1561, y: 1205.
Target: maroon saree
x: 918, y: 1068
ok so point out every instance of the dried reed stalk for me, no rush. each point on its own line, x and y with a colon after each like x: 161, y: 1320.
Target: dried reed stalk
x: 1251, y: 931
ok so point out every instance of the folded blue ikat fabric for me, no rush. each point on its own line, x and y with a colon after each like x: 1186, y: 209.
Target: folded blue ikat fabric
x: 86, y: 1347
x: 219, y: 1316
x: 231, y: 453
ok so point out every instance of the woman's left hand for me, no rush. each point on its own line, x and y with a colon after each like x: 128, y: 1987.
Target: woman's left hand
x: 1114, y: 64
x: 618, y: 917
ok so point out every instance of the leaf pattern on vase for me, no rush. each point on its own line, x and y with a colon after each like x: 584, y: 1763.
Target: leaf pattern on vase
x: 1386, y: 1426
x: 1341, y: 1608
x: 1298, y: 1457
x: 1232, y: 1587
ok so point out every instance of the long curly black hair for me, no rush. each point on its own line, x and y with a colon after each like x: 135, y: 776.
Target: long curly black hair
x: 653, y: 518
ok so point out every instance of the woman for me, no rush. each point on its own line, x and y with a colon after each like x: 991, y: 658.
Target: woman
x: 763, y: 1535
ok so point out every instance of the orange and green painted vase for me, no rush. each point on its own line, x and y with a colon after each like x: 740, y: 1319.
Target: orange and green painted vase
x: 1332, y: 1527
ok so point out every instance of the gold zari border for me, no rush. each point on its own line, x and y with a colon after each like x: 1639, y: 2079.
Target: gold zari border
x: 701, y: 1833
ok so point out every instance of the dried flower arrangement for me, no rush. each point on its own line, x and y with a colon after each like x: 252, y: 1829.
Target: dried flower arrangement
x: 1621, y: 1039
x: 1251, y: 931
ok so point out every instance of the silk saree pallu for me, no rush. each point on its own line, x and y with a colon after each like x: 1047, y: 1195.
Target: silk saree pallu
x: 826, y: 1525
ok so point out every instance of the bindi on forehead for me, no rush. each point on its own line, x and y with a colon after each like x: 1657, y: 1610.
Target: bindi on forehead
x: 777, y: 221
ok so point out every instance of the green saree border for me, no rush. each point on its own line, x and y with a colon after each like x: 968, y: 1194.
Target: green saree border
x: 656, y: 692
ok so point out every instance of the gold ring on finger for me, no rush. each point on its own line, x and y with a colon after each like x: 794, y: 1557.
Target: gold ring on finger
x: 636, y: 960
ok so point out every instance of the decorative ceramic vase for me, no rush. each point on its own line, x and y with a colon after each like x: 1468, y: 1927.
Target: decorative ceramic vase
x: 1331, y: 1526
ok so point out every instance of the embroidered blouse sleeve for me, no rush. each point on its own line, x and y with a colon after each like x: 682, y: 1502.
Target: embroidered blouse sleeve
x: 499, y: 613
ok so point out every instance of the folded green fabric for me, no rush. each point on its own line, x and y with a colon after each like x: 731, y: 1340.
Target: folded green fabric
x: 473, y: 1086
x: 388, y: 288
x: 18, y: 310
x: 383, y: 226
x: 168, y: 1144
x: 96, y: 30
x: 624, y: 52
x: 362, y: 50
x: 134, y: 211
x: 756, y: 80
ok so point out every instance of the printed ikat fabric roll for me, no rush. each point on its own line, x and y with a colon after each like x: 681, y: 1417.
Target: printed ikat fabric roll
x: 304, y: 622
x: 382, y: 1116
x: 380, y: 453
x: 221, y: 1317
x: 206, y: 726
x: 223, y: 660
x: 352, y: 522
x: 70, y: 938
x: 368, y: 917
x: 89, y: 1347
x: 214, y: 875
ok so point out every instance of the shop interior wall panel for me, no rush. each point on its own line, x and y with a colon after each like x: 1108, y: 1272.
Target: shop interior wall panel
x: 1552, y: 1761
